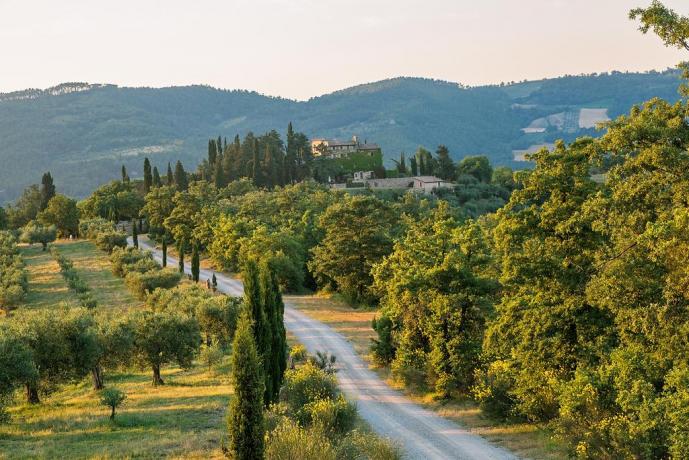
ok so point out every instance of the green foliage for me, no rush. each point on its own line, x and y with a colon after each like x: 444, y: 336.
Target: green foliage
x: 16, y: 368
x: 211, y: 355
x: 304, y: 385
x: 114, y: 201
x: 163, y: 337
x: 142, y: 284
x: 476, y: 166
x: 74, y: 281
x: 112, y: 398
x: 36, y: 233
x: 245, y: 419
x: 357, y: 235
x: 13, y: 279
x: 61, y: 212
x: 26, y: 208
x: 90, y: 228
x: 289, y: 441
x: 109, y: 240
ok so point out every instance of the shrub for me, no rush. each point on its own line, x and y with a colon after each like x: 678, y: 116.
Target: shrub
x: 304, y: 385
x: 144, y: 283
x: 109, y: 240
x: 125, y: 260
x: 289, y: 441
x: 112, y: 398
x: 492, y: 390
x: 211, y: 355
x: 298, y: 354
x: 367, y: 446
x: 334, y: 417
x: 90, y: 228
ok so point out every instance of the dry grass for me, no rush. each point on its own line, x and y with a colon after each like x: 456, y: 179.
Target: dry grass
x: 182, y: 419
x: 525, y: 440
x: 47, y: 287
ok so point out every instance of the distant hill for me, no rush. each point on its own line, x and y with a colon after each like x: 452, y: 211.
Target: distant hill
x: 82, y: 133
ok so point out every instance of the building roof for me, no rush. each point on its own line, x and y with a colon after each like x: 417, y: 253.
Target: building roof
x: 369, y: 146
x: 428, y: 179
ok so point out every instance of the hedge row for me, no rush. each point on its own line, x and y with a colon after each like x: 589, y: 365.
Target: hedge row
x: 13, y: 280
x: 73, y: 279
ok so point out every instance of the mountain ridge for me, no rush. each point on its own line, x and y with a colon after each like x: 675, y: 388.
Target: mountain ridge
x: 101, y: 126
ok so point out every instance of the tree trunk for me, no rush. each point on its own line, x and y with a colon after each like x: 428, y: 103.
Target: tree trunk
x: 32, y: 394
x: 97, y: 375
x: 156, y: 376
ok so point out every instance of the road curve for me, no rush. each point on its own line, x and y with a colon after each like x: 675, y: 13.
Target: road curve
x: 421, y: 433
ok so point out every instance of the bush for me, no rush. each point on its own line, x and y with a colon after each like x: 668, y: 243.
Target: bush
x: 109, y: 240
x: 90, y: 228
x: 492, y: 390
x: 289, y: 441
x: 144, y: 283
x: 125, y: 260
x: 305, y: 385
x: 334, y: 417
x: 211, y: 355
x: 367, y: 446
x: 298, y: 354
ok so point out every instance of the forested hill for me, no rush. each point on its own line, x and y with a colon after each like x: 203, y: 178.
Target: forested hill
x: 82, y: 133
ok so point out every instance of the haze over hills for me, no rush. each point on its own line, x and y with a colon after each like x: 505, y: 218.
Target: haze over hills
x: 82, y: 133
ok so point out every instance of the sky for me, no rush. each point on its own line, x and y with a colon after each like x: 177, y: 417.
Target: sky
x: 304, y: 48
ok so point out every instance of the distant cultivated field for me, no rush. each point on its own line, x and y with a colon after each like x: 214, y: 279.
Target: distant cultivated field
x: 47, y: 287
x: 589, y: 118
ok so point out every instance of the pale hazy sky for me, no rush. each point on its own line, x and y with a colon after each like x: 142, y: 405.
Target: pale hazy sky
x: 304, y: 48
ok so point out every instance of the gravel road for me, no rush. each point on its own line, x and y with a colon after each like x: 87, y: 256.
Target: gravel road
x: 421, y: 433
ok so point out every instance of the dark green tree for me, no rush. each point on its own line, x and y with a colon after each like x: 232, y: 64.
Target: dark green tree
x: 195, y: 263
x: 253, y: 299
x: 170, y: 176
x: 135, y: 234
x: 181, y: 180
x: 274, y: 308
x: 148, y: 176
x: 47, y: 189
x: 446, y: 167
x: 125, y: 176
x: 156, y: 177
x: 164, y: 251
x: 245, y: 421
x: 180, y: 255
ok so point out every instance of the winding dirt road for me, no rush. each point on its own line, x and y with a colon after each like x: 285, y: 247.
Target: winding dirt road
x: 421, y: 433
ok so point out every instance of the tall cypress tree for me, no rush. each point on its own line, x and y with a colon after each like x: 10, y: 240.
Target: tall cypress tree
x: 164, y: 251
x: 253, y: 299
x: 156, y: 177
x: 170, y: 176
x: 256, y: 165
x: 413, y: 167
x: 219, y: 174
x: 47, y: 189
x: 181, y: 177
x: 245, y: 420
x: 195, y: 263
x: 135, y: 234
x: 180, y: 252
x: 212, y: 152
x: 274, y: 311
x: 125, y: 176
x: 148, y: 176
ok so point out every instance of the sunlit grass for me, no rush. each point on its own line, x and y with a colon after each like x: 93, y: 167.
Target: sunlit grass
x: 47, y: 287
x: 182, y: 419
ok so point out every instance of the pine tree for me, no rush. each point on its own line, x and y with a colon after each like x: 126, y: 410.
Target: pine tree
x: 245, y: 420
x: 180, y: 252
x: 253, y: 299
x: 148, y: 176
x: 195, y: 264
x: 156, y: 177
x: 135, y: 234
x: 47, y: 189
x: 181, y: 177
x: 170, y: 176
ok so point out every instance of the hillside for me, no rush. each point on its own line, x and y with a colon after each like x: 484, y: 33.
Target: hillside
x: 82, y: 133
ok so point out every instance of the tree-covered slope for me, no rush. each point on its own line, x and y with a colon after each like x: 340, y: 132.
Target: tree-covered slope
x: 83, y: 133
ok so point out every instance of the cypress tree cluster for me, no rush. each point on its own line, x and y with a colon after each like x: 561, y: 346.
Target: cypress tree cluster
x: 263, y: 299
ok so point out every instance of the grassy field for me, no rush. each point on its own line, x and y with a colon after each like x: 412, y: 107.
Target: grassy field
x: 525, y: 440
x: 182, y: 419
x: 93, y: 266
x: 47, y: 287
